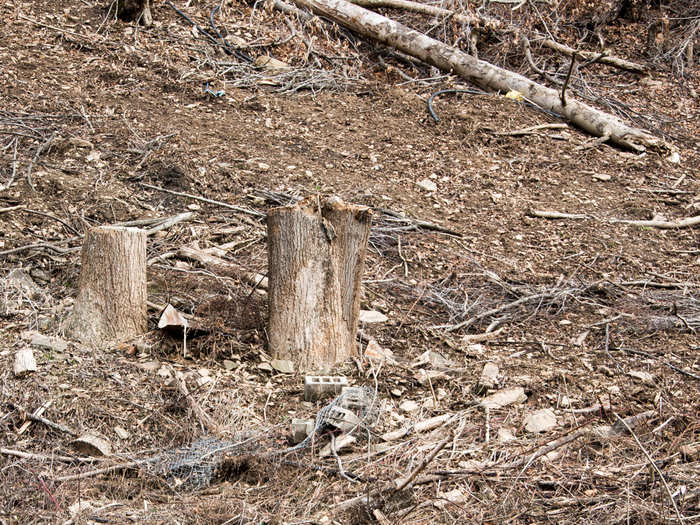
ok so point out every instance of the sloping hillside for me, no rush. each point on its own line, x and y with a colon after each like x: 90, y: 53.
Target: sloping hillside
x: 590, y: 318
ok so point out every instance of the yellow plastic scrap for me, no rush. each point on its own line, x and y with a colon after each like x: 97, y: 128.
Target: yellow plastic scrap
x: 515, y: 95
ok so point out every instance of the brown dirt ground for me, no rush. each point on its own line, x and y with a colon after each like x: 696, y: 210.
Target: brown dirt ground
x: 108, y: 92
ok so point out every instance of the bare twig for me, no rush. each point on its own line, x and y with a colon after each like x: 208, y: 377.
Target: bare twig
x: 545, y: 214
x: 531, y: 130
x: 574, y: 56
x: 254, y: 213
x: 403, y: 483
x: 14, y: 167
x: 688, y: 222
x: 653, y: 465
x: 97, y: 472
x: 169, y: 222
x: 45, y: 457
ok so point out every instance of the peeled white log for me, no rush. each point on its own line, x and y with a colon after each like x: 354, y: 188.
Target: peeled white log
x: 447, y: 58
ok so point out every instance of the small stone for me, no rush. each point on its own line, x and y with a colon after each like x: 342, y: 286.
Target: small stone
x: 428, y: 185
x: 203, y: 380
x: 229, y: 365
x: 18, y: 278
x: 489, y: 376
x: 344, y: 441
x: 283, y: 366
x: 396, y: 392
x: 644, y: 377
x: 121, y: 433
x: 265, y: 366
x: 409, y: 406
x: 505, y: 435
x: 541, y: 421
x: 505, y: 397
x: 377, y: 353
x: 149, y: 366
x: 428, y: 377
x: 194, y: 207
x: 91, y: 445
x: 603, y: 177
x: 372, y: 316
x: 262, y: 166
x: 433, y: 358
x: 24, y: 362
x: 564, y: 322
x: 674, y: 158
x: 48, y: 343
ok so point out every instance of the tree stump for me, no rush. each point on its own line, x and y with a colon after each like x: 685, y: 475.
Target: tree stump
x: 135, y: 10
x: 316, y: 252
x: 111, y: 301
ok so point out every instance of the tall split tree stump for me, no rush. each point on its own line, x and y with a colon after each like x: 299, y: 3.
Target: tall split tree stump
x: 316, y: 252
x: 111, y: 301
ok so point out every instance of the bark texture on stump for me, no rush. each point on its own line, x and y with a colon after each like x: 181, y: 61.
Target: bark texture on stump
x: 316, y: 252
x: 111, y: 302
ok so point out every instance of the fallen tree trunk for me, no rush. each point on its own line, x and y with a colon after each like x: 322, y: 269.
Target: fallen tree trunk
x: 447, y: 58
x: 426, y: 9
x: 493, y: 24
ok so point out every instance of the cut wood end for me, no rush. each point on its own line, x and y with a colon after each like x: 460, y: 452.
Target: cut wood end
x: 129, y: 229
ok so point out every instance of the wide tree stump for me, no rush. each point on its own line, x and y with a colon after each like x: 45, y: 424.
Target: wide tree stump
x: 111, y: 301
x: 316, y: 252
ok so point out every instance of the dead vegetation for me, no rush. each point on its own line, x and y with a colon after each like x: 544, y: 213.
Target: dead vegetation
x: 531, y: 368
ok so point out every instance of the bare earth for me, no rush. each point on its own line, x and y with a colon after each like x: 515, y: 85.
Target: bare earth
x: 612, y: 319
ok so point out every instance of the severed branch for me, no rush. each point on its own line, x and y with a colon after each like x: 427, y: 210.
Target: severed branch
x: 239, y: 209
x: 654, y: 466
x: 531, y: 130
x: 595, y: 57
x: 476, y: 21
x: 484, y: 74
x: 14, y: 167
x: 687, y: 222
x: 480, y: 21
x: 545, y: 214
x: 207, y: 422
x: 574, y: 56
x: 44, y: 457
x: 169, y: 222
x: 97, y: 472
x: 403, y: 483
x: 534, y: 297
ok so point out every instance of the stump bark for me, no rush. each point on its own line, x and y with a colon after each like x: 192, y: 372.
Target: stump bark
x: 111, y: 301
x: 316, y: 252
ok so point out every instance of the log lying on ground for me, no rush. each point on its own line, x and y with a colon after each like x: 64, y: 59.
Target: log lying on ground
x: 493, y: 24
x: 447, y: 58
x: 427, y: 9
